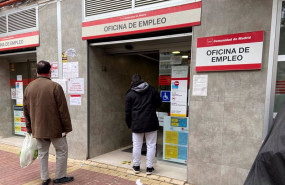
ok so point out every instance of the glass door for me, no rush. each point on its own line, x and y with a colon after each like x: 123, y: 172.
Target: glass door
x: 279, y: 97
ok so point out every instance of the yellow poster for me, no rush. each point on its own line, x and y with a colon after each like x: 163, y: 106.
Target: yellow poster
x: 17, y: 128
x: 174, y: 122
x: 171, y: 151
x: 171, y: 137
x: 17, y: 119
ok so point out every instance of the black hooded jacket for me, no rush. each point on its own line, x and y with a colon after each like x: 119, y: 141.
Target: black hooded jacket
x: 269, y: 165
x: 141, y: 104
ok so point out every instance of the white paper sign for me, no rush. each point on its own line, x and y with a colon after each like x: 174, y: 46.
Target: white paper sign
x: 19, y: 93
x: 179, y: 72
x: 176, y: 60
x: 200, y: 84
x: 179, y: 85
x: 71, y: 52
x: 61, y: 82
x: 76, y: 86
x: 19, y: 78
x: 70, y: 70
x: 75, y: 99
x: 54, y: 69
x: 160, y: 116
x: 13, y: 94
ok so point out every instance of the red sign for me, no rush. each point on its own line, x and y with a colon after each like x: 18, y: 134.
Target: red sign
x: 24, y: 40
x: 24, y: 129
x: 164, y: 80
x: 176, y: 83
x: 241, y: 51
x: 149, y: 21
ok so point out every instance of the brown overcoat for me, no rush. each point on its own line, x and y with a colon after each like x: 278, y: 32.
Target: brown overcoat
x: 45, y: 109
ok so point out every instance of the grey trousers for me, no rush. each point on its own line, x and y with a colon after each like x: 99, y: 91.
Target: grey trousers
x: 61, y: 148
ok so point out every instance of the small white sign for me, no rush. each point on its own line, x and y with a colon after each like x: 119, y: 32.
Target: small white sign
x: 19, y: 93
x: 75, y: 100
x: 19, y: 78
x: 54, y: 69
x: 175, y: 60
x: 200, y: 85
x: 70, y: 70
x: 179, y: 72
x: 61, y: 82
x: 76, y: 86
x: 13, y: 93
x: 71, y: 52
x: 179, y: 89
x: 160, y: 116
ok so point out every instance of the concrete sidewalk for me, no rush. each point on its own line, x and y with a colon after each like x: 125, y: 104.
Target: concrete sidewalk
x: 84, y: 172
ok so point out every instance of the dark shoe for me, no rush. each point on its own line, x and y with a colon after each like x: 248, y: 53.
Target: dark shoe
x: 136, y: 169
x: 149, y: 171
x: 46, y: 182
x: 63, y: 180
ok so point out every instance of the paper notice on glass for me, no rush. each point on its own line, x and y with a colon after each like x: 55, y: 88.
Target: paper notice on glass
x: 19, y: 101
x: 54, y: 69
x: 76, y: 86
x: 13, y: 93
x: 178, y: 106
x: 179, y: 72
x: 70, y: 70
x: 178, y: 109
x: 200, y: 85
x: 61, y: 82
x: 179, y: 96
x: 75, y: 99
x: 160, y: 116
x: 175, y: 60
x: 19, y: 77
x: 19, y: 93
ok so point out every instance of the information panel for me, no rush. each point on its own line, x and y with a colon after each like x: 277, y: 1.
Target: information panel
x: 175, y: 139
x: 179, y: 90
x: 19, y: 121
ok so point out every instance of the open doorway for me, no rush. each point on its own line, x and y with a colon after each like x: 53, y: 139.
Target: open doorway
x: 20, y: 70
x: 110, y: 69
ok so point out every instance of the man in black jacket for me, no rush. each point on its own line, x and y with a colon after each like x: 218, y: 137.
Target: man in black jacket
x: 142, y: 100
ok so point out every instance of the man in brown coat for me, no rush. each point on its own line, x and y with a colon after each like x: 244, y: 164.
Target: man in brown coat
x: 47, y: 118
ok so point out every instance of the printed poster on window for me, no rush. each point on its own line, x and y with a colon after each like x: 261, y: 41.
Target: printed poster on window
x: 179, y: 85
x: 19, y: 93
x: 19, y: 121
x: 175, y: 139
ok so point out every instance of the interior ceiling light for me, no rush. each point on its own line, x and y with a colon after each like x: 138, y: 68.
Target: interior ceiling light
x: 175, y: 52
x: 184, y: 56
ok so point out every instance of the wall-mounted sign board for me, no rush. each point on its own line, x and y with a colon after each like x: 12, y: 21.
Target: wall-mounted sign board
x: 241, y: 51
x: 181, y: 16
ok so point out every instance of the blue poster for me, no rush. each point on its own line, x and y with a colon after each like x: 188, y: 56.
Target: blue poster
x: 182, y: 138
x: 182, y: 152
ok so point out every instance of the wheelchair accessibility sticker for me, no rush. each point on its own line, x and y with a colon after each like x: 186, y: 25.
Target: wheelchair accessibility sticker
x: 165, y: 96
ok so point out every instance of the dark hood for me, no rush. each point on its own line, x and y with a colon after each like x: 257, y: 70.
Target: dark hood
x: 142, y: 87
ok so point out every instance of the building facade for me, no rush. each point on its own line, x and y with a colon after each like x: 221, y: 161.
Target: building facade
x: 221, y: 61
